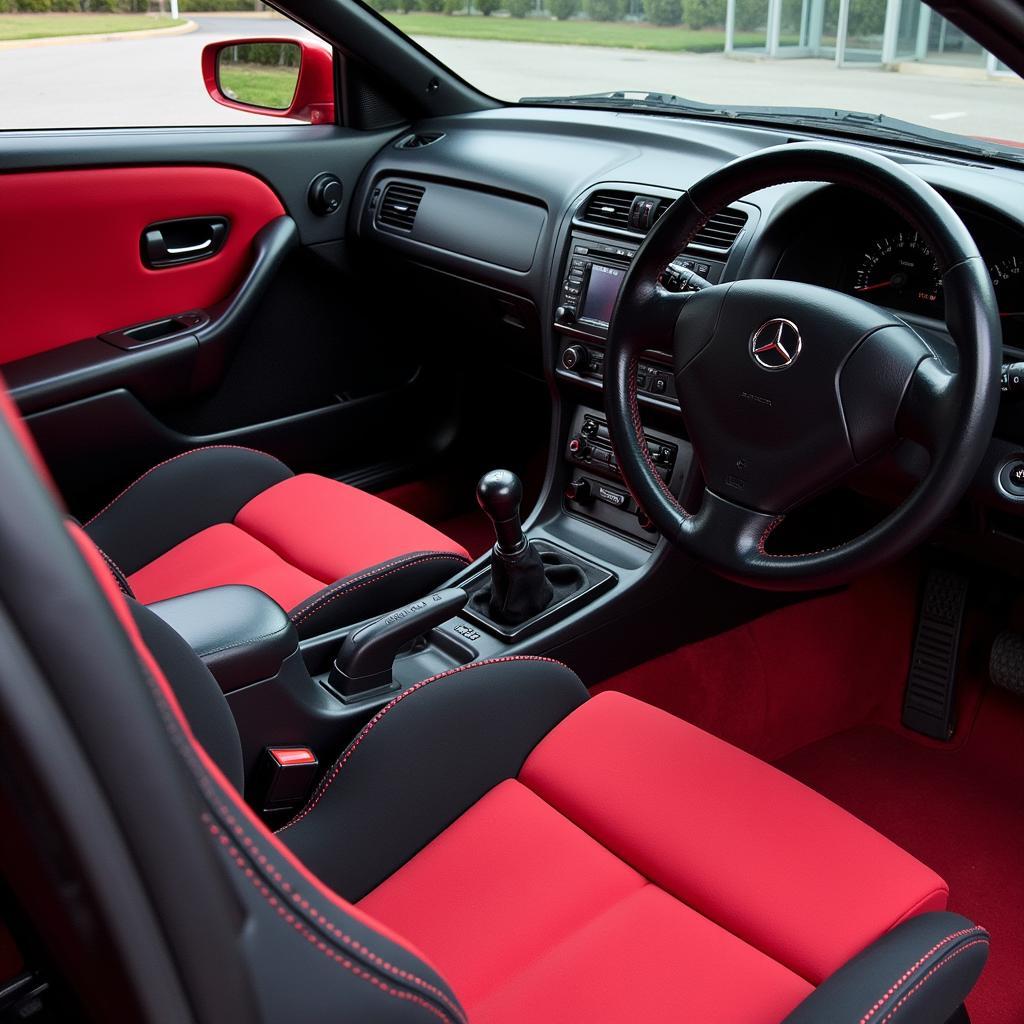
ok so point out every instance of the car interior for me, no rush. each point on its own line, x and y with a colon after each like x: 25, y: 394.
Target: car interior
x: 495, y: 562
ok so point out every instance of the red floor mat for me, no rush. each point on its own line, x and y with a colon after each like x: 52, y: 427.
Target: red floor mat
x: 793, y: 676
x: 960, y: 810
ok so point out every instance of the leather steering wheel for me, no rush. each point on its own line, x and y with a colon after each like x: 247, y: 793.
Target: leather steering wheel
x: 786, y: 388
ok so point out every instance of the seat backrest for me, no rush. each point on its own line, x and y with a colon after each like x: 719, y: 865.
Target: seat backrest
x: 211, y: 917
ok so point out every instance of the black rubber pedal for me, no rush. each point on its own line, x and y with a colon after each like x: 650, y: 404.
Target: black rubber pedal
x: 1006, y: 662
x: 928, y: 702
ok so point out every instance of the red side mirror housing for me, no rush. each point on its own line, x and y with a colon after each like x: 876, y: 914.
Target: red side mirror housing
x: 313, y: 100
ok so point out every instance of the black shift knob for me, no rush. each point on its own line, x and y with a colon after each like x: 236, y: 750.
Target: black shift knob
x: 499, y: 494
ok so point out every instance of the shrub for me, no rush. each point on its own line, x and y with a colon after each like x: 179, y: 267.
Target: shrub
x: 405, y: 6
x: 487, y: 7
x: 33, y: 6
x: 454, y: 6
x: 519, y: 8
x: 604, y: 10
x: 563, y: 9
x: 664, y: 12
x: 103, y: 6
x: 751, y: 15
x: 700, y: 14
x: 434, y: 6
x: 6, y: 6
x: 66, y: 6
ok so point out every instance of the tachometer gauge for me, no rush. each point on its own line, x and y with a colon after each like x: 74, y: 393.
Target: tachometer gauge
x: 900, y: 270
x: 1008, y: 277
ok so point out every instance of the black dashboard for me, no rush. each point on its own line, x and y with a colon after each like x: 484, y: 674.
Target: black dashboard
x: 545, y: 208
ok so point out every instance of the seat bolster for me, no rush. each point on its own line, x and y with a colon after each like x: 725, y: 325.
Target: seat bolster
x: 422, y: 761
x: 178, y: 498
x: 921, y: 971
x: 375, y: 590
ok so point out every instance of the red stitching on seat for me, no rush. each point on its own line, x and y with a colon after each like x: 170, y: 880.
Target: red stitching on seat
x: 325, y: 922
x: 351, y: 749
x: 387, y: 569
x: 166, y: 462
x: 938, y: 967
x: 310, y: 935
x: 976, y: 930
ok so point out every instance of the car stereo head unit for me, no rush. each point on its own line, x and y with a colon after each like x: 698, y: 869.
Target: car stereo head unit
x: 593, y: 279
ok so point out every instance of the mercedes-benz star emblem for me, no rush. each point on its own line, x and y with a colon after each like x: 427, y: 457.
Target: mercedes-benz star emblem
x: 776, y: 344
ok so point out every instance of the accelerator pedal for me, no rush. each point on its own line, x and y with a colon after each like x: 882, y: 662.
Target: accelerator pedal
x: 1006, y: 662
x: 928, y: 705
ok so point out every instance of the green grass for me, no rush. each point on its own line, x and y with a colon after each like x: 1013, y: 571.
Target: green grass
x: 631, y: 35
x: 40, y: 26
x: 260, y: 85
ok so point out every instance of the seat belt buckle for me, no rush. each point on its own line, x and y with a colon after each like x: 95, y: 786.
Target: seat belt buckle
x: 288, y: 774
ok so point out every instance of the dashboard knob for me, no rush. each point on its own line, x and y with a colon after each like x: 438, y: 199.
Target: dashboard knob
x: 579, y: 447
x: 579, y: 490
x: 576, y: 357
x: 565, y: 315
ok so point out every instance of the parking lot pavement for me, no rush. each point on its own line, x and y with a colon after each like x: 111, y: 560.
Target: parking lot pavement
x: 157, y: 81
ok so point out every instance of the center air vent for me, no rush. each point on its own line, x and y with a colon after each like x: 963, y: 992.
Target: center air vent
x: 399, y: 205
x: 609, y: 209
x: 627, y: 211
x: 720, y: 232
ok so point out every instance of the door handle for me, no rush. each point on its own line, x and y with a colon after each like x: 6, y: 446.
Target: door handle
x: 171, y: 243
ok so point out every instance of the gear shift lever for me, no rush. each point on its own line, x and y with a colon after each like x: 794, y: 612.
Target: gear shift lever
x: 499, y: 494
x: 519, y: 587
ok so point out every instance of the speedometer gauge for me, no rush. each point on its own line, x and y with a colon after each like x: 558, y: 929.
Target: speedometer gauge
x: 900, y: 270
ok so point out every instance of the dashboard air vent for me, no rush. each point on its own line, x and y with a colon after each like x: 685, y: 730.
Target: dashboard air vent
x: 399, y: 205
x: 720, y: 232
x: 418, y: 140
x: 609, y: 209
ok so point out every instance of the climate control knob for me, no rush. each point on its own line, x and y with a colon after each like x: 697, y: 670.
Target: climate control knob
x: 565, y: 315
x: 576, y: 357
x: 579, y: 490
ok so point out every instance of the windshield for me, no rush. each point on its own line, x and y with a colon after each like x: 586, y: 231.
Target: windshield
x: 896, y: 58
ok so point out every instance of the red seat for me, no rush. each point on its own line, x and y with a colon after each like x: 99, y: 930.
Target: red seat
x: 637, y: 855
x: 328, y: 553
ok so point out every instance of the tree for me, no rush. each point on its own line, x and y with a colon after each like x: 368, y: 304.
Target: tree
x: 664, y: 12
x: 519, y: 8
x: 487, y: 7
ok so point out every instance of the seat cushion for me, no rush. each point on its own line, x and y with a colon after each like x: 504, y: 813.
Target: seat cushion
x: 530, y: 919
x: 736, y: 839
x: 638, y: 861
x: 328, y: 553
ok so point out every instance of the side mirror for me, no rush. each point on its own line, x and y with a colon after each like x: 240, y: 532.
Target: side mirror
x: 274, y: 77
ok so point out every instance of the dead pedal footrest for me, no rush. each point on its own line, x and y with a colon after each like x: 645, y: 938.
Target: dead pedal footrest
x: 928, y: 701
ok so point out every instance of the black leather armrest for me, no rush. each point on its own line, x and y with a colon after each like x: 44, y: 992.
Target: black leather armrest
x: 242, y: 635
x: 919, y: 973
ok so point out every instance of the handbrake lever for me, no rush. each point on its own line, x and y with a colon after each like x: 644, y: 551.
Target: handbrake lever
x: 366, y: 658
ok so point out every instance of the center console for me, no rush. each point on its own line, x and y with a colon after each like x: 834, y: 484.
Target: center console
x: 590, y: 277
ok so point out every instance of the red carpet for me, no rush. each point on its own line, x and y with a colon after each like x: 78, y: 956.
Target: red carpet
x: 960, y: 810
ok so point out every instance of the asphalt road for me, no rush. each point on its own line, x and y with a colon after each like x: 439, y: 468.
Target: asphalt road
x: 157, y: 81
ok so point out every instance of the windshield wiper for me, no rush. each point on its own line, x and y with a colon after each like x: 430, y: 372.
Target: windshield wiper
x: 844, y: 122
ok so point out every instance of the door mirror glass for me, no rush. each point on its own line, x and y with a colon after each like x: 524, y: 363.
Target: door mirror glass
x: 261, y: 75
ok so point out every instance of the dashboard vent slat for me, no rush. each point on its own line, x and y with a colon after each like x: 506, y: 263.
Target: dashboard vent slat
x: 609, y: 209
x: 720, y: 232
x: 399, y: 205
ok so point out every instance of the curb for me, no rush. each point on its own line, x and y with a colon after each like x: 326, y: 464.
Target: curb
x: 99, y: 37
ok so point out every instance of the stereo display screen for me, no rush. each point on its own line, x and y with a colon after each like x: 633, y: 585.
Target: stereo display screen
x: 602, y: 292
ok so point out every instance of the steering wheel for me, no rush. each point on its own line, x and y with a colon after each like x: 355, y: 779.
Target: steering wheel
x: 785, y: 388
